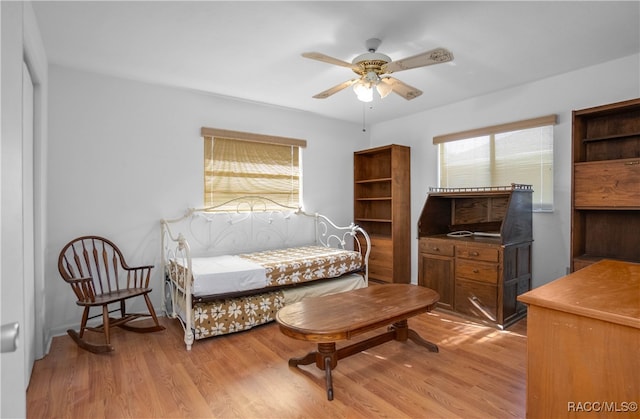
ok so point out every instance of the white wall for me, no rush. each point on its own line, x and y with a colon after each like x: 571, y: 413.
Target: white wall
x: 124, y: 154
x: 606, y: 83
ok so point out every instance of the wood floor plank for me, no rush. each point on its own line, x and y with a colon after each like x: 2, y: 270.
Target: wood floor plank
x: 479, y: 372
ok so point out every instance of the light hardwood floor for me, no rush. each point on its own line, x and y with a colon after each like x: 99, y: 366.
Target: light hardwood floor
x: 479, y: 372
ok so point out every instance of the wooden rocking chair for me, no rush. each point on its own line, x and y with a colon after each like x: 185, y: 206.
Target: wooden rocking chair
x: 99, y: 276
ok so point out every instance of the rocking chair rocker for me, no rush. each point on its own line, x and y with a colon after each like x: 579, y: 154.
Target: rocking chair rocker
x: 98, y: 274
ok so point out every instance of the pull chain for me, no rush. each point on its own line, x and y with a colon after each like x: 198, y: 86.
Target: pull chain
x: 364, y: 110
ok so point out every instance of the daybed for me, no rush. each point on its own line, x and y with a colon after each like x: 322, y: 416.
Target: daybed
x: 230, y: 271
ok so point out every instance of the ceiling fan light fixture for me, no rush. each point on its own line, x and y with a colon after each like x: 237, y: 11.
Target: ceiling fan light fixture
x: 364, y: 91
x: 371, y: 77
x: 383, y: 89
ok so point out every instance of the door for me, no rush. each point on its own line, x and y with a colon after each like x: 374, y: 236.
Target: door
x: 18, y: 304
x: 29, y: 327
x: 12, y: 286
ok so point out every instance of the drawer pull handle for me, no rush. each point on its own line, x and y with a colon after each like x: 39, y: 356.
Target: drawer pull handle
x: 631, y: 163
x: 436, y: 249
x: 476, y: 303
x: 475, y: 271
x: 474, y: 254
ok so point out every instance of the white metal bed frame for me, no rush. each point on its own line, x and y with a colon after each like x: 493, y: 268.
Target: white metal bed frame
x: 257, y: 223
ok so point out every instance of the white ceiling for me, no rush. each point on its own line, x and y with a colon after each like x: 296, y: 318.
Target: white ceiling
x: 251, y: 50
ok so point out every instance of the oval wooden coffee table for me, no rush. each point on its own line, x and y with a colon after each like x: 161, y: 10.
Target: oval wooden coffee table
x: 341, y: 316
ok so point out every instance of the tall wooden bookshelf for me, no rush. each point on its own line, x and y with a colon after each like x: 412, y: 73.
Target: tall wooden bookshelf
x: 605, y: 197
x: 382, y: 206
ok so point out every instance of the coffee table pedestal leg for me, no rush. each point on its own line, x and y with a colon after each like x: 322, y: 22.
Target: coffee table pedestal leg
x: 326, y: 357
x: 403, y: 333
x: 326, y: 360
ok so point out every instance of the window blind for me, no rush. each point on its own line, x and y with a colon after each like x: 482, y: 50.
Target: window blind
x: 235, y: 168
x: 517, y: 152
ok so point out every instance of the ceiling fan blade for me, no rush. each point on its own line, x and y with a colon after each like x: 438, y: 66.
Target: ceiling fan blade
x: 403, y: 89
x: 435, y: 56
x: 326, y: 59
x: 335, y: 89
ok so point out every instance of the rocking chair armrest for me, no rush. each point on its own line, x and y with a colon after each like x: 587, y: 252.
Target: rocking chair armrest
x: 83, y: 289
x: 136, y: 268
x: 74, y: 281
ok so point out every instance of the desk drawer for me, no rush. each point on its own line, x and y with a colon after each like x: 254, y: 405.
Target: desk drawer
x: 476, y: 299
x: 477, y: 271
x: 488, y: 254
x: 436, y: 247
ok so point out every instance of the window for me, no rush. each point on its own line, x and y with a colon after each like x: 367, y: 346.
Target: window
x: 519, y: 152
x: 242, y: 164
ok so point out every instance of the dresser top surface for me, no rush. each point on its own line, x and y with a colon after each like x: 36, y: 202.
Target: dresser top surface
x: 608, y: 290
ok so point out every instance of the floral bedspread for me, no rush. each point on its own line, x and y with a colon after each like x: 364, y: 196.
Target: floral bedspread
x: 307, y: 263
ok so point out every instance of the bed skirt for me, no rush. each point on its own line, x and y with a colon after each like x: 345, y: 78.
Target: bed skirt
x: 230, y: 315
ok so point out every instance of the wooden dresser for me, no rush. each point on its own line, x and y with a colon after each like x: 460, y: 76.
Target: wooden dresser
x: 479, y: 276
x: 583, y: 339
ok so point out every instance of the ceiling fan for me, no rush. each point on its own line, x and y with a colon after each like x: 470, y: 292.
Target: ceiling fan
x: 373, y: 69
